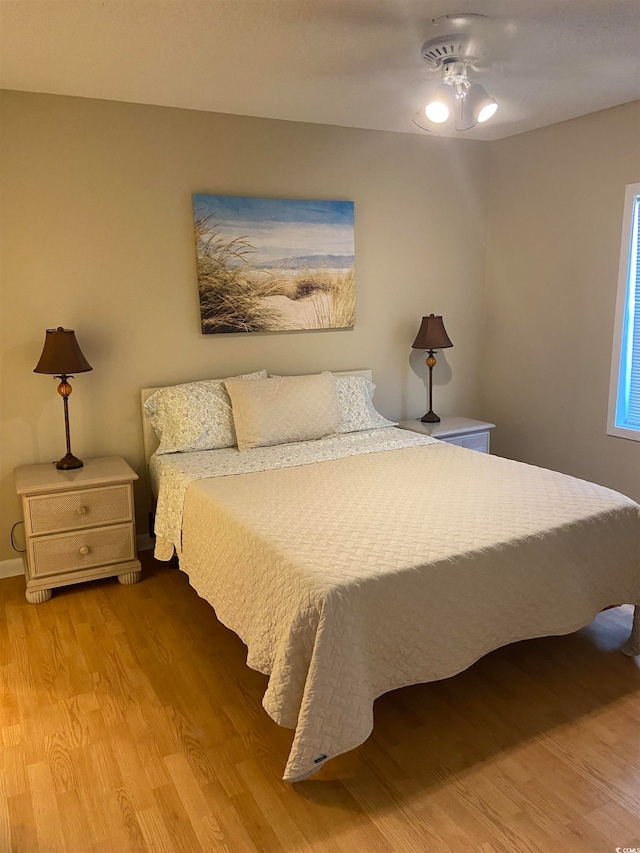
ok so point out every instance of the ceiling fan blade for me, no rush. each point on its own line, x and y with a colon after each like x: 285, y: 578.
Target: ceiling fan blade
x: 420, y: 120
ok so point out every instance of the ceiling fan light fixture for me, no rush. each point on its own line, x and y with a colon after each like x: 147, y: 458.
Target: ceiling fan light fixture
x: 438, y: 109
x: 487, y: 111
x: 454, y: 50
x: 480, y: 104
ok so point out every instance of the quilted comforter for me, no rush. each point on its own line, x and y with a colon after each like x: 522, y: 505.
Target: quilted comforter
x: 353, y: 576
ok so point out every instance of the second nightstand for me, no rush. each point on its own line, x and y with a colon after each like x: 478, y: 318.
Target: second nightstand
x: 79, y: 524
x: 465, y: 432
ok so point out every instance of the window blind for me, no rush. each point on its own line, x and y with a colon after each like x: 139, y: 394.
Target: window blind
x: 628, y: 409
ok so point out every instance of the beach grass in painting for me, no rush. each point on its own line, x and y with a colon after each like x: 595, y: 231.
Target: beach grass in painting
x: 271, y: 265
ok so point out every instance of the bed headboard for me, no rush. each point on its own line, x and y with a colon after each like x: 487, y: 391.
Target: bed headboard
x: 150, y: 439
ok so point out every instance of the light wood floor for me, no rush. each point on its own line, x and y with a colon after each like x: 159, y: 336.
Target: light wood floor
x: 130, y: 722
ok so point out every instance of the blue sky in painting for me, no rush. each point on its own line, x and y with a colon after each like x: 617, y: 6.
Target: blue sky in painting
x: 282, y: 228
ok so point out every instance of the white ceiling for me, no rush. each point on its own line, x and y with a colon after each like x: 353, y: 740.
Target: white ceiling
x: 345, y: 62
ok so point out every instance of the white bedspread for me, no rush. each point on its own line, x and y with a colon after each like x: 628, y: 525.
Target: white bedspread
x: 354, y: 576
x: 171, y: 474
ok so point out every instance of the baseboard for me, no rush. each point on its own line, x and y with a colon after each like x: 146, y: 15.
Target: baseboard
x: 11, y: 568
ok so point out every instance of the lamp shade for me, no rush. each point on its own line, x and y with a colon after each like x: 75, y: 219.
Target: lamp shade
x: 61, y: 354
x: 432, y: 334
x: 480, y: 105
x: 440, y: 104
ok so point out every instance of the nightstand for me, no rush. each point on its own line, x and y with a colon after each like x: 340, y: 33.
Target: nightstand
x: 79, y: 524
x: 465, y: 432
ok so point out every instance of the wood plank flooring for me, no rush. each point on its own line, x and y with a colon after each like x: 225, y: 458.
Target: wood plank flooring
x: 129, y: 722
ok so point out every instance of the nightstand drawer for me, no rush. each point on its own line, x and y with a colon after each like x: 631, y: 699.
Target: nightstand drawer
x: 464, y: 432
x: 477, y: 441
x: 80, y: 508
x: 71, y: 551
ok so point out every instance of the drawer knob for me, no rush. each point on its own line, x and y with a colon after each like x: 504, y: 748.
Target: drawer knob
x: 81, y: 510
x: 84, y: 550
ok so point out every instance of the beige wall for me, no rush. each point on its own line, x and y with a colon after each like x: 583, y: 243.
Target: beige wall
x: 556, y: 203
x: 96, y: 231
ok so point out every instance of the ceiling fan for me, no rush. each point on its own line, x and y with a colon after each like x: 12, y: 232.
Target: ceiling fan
x: 456, y: 49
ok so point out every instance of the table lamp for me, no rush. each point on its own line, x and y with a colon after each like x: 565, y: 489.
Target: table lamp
x: 431, y: 336
x: 62, y: 358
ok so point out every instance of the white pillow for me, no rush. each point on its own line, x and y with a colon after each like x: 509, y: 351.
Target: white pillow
x: 194, y: 416
x: 283, y: 409
x: 355, y: 401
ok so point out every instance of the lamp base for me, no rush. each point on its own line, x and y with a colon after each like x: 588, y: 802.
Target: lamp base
x: 430, y: 418
x: 69, y: 462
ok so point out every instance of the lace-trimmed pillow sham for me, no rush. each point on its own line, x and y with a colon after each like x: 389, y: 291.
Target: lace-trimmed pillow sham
x: 194, y: 416
x: 357, y: 412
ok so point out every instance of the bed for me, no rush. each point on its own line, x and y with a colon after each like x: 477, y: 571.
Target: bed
x: 361, y: 563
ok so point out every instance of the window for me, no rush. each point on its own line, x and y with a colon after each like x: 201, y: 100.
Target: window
x: 624, y: 396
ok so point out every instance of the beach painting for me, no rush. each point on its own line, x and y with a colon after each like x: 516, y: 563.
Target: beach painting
x: 274, y: 265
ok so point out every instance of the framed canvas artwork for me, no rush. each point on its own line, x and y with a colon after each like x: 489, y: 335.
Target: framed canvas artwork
x: 274, y: 265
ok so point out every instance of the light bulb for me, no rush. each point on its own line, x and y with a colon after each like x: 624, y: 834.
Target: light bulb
x: 480, y: 106
x: 440, y: 104
x: 487, y: 111
x: 437, y: 112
